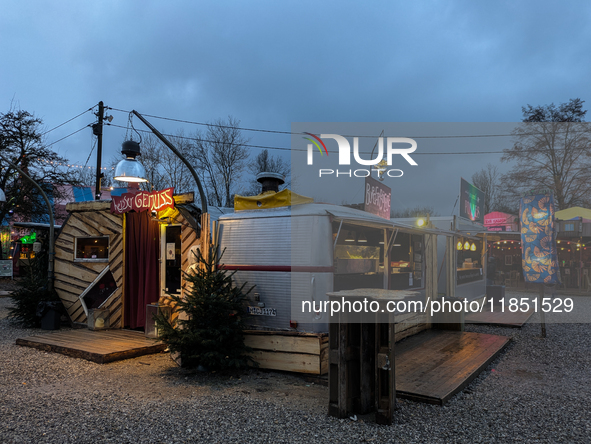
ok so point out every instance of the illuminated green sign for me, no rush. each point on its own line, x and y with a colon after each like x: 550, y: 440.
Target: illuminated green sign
x: 471, y: 202
x: 29, y: 239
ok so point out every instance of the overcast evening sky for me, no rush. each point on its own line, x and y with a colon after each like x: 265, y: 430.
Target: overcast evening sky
x: 272, y: 63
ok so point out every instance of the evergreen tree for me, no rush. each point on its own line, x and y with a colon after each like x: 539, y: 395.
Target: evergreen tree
x: 211, y: 333
x: 32, y: 289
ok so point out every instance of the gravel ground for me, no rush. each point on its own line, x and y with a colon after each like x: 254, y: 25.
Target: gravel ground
x: 538, y: 390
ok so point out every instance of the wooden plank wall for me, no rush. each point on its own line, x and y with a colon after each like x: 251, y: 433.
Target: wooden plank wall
x: 189, y: 237
x: 289, y: 351
x: 72, y: 278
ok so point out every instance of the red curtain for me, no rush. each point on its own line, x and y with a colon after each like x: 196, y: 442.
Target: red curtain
x: 142, y: 284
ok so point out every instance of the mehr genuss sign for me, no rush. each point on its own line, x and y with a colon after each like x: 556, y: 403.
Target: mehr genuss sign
x: 142, y: 201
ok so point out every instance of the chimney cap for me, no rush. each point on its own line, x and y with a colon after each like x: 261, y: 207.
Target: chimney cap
x: 276, y: 176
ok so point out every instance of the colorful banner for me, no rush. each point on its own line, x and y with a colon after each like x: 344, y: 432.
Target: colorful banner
x: 142, y: 201
x: 538, y: 239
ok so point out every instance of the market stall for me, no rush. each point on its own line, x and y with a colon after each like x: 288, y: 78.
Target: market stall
x: 113, y: 258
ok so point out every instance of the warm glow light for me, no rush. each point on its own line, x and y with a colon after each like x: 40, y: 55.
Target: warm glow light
x: 459, y: 245
x: 473, y: 247
x: 421, y: 222
x: 467, y: 245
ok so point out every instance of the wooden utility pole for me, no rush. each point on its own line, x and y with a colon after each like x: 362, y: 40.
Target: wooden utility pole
x: 97, y: 130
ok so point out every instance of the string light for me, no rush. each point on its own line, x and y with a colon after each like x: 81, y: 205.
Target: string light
x: 75, y: 166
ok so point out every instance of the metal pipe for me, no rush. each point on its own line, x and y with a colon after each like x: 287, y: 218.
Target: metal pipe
x: 51, y: 229
x: 179, y: 155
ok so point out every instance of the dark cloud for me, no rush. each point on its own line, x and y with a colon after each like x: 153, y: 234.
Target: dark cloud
x: 273, y: 63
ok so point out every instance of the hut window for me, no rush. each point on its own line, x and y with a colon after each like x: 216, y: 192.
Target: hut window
x: 92, y: 249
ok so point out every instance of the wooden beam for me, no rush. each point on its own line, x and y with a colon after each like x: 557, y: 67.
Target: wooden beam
x: 92, y: 205
x: 290, y: 362
x: 184, y: 198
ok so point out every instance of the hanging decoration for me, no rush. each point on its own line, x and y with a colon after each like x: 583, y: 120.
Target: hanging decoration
x: 538, y: 239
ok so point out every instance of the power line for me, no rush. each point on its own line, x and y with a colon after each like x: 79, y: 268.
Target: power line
x: 67, y: 121
x: 458, y: 153
x: 289, y: 133
x: 65, y: 137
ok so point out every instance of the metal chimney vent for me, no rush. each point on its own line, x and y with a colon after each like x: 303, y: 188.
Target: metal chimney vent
x: 270, y: 181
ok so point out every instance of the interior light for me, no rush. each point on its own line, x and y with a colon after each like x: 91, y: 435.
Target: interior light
x: 459, y: 245
x: 473, y: 247
x: 362, y: 238
x: 467, y: 245
x: 349, y: 237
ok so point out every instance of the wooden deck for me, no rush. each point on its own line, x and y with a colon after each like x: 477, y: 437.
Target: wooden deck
x: 434, y: 365
x: 97, y: 346
x: 498, y: 318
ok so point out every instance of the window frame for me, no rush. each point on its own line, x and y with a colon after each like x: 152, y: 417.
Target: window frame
x: 102, y: 259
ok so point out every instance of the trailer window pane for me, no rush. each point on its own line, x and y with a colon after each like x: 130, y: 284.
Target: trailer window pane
x: 92, y: 248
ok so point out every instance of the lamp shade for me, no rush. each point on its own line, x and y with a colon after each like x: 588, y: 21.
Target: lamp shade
x: 130, y: 170
x: 2, y: 196
x: 459, y: 245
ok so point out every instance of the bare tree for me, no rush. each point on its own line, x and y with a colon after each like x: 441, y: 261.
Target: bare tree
x: 164, y: 168
x: 22, y: 142
x: 87, y: 177
x: 267, y: 163
x: 552, y: 151
x: 414, y: 212
x: 222, y: 157
x: 488, y: 181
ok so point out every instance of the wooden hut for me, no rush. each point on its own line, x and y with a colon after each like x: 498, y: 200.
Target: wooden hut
x: 95, y: 266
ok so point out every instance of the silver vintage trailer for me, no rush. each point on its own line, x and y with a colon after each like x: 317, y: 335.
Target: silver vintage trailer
x: 296, y: 255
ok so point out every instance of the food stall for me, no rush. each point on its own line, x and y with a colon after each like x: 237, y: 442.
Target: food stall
x: 118, y: 256
x: 467, y: 251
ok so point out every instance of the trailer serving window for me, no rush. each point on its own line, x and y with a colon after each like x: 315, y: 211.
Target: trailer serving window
x: 358, y: 257
x: 469, y: 260
x: 92, y: 249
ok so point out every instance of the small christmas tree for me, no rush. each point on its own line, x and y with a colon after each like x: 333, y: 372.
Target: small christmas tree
x: 211, y: 332
x: 32, y: 290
